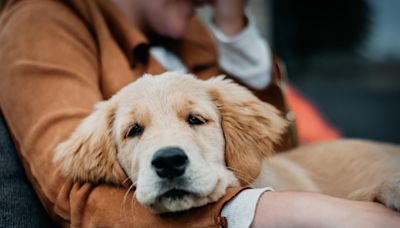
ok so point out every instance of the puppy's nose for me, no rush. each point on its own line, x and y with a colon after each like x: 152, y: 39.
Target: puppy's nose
x: 170, y: 162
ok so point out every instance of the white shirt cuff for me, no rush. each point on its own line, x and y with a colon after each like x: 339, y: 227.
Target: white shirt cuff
x: 246, y: 56
x: 240, y: 211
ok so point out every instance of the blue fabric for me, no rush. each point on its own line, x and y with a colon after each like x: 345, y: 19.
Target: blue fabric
x: 19, y: 205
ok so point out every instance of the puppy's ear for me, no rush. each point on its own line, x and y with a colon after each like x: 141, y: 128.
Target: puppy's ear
x: 89, y: 154
x: 251, y: 127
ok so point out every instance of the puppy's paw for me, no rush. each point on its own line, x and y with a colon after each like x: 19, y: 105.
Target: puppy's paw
x: 389, y: 194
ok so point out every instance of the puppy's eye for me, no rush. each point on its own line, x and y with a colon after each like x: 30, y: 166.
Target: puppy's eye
x: 195, y: 120
x: 136, y: 130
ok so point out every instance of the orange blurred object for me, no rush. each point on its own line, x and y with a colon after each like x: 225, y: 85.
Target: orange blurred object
x: 311, y: 125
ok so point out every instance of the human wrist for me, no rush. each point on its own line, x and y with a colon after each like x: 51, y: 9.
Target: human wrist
x: 231, y: 27
x: 273, y: 211
x: 293, y: 209
x: 229, y: 16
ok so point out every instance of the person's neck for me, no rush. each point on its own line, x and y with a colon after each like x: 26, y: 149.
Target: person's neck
x: 132, y: 10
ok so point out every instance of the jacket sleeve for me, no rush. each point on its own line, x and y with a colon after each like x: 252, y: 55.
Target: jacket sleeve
x: 49, y: 81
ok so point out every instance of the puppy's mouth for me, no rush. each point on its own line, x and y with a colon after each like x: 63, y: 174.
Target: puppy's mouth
x: 175, y: 194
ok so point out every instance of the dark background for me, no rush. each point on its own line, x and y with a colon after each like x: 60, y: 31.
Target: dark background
x: 344, y: 55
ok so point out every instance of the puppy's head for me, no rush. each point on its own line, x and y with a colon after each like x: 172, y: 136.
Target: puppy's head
x: 180, y: 140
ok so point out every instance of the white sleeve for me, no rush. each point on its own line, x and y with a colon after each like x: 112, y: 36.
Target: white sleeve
x: 240, y: 211
x: 246, y: 56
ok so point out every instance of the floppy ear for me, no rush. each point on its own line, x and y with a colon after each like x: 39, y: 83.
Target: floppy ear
x: 251, y: 127
x: 89, y: 154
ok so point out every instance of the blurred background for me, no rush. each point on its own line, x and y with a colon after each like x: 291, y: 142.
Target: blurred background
x: 344, y: 56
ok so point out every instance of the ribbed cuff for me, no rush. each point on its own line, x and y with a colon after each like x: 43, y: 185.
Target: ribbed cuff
x: 240, y: 211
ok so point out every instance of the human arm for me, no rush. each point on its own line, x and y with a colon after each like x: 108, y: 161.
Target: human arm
x: 302, y: 209
x: 261, y: 207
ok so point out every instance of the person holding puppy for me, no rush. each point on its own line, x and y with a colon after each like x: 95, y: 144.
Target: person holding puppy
x: 58, y: 58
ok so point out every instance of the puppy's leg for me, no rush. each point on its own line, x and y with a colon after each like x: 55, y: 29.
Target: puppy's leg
x: 387, y: 193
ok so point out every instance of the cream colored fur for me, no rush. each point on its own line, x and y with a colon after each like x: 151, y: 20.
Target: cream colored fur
x: 233, y: 147
x: 352, y: 169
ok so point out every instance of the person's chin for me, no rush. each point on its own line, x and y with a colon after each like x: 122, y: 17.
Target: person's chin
x: 176, y: 35
x: 177, y: 31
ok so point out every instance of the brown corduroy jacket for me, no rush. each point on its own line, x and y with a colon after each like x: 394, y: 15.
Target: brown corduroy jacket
x: 57, y: 59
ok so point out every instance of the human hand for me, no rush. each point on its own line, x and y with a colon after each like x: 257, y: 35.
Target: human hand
x: 301, y: 209
x: 229, y: 15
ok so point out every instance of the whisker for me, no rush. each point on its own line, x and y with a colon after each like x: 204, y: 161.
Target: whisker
x: 127, y: 192
x: 126, y: 196
x: 133, y: 201
x: 126, y: 180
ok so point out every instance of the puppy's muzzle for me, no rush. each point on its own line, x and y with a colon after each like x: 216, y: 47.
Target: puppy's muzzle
x: 170, y: 162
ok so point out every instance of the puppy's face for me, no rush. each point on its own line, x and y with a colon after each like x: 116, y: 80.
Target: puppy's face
x: 174, y: 136
x: 170, y: 143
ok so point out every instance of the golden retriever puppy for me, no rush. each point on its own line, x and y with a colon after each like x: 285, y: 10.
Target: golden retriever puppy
x: 183, y: 141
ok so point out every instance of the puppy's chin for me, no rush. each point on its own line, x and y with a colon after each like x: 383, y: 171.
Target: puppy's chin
x: 167, y: 204
x: 181, y: 200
